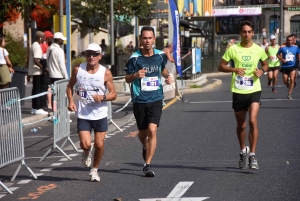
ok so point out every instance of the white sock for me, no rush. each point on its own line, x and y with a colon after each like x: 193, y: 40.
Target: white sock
x: 252, y: 154
x: 94, y: 169
x: 244, y: 150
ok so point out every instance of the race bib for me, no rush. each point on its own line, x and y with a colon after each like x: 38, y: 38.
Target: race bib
x: 81, y: 94
x: 289, y: 57
x: 149, y: 83
x: 274, y: 58
x: 244, y: 83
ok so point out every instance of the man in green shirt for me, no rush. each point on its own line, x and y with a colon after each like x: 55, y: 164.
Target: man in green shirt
x: 246, y: 89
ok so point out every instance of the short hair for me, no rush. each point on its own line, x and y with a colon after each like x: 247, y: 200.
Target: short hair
x: 147, y: 28
x: 290, y: 36
x: 39, y: 34
x: 247, y: 23
x: 2, y: 38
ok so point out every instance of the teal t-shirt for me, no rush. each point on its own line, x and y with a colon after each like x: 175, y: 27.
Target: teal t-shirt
x: 245, y: 58
x: 149, y: 89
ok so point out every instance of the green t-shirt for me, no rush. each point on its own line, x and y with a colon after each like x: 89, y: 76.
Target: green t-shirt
x: 245, y: 58
x: 274, y: 62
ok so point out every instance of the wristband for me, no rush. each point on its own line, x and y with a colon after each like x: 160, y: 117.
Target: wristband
x: 104, y: 98
x: 263, y: 70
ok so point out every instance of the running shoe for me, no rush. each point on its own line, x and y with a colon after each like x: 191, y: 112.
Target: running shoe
x: 94, y: 176
x: 289, y: 96
x: 87, y: 158
x: 269, y: 82
x: 253, y: 163
x: 147, y: 171
x: 243, y: 163
x: 144, y: 153
x: 274, y: 90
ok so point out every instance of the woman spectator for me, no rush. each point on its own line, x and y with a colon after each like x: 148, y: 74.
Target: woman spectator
x: 5, y: 65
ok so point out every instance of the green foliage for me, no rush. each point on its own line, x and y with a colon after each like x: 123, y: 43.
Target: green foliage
x: 78, y: 60
x: 94, y: 14
x: 195, y: 86
x: 17, y: 52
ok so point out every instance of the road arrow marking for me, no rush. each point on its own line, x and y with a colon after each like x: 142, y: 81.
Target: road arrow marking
x: 177, y: 193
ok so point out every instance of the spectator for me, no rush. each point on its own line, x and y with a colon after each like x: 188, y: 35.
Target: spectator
x: 73, y: 53
x: 223, y: 45
x: 130, y: 48
x: 264, y: 32
x: 5, y: 65
x: 56, y: 59
x: 36, y: 69
x: 168, y: 50
x: 45, y: 45
x: 103, y: 46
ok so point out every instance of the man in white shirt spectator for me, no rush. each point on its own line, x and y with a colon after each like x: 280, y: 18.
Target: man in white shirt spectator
x: 56, y: 59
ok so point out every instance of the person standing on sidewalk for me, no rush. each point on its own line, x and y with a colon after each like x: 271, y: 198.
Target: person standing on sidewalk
x: 91, y: 81
x: 56, y: 59
x: 45, y: 45
x: 273, y: 62
x: 5, y: 65
x: 246, y: 89
x: 288, y: 55
x: 143, y: 70
x: 39, y: 75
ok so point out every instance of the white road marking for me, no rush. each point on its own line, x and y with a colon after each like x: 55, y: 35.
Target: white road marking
x: 287, y: 162
x: 64, y: 159
x: 176, y: 199
x: 177, y: 193
x: 111, y: 134
x: 72, y: 155
x: 127, y: 126
x: 24, y: 181
x: 56, y: 164
x: 107, y: 136
x: 46, y: 169
x: 41, y: 157
x: 35, y: 136
x: 1, y: 196
x: 180, y: 189
x: 37, y: 174
x: 263, y: 100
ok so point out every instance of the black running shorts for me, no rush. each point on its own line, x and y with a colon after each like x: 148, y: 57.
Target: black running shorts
x: 146, y: 113
x: 273, y: 68
x: 242, y: 102
x: 287, y: 70
x: 99, y: 125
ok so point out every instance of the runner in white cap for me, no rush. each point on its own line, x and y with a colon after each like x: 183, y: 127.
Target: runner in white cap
x: 273, y: 62
x: 91, y: 81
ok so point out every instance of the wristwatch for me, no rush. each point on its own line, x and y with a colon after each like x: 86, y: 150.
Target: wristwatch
x: 104, y: 98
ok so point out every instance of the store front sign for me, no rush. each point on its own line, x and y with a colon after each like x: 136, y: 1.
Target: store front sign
x: 237, y: 11
x: 293, y: 8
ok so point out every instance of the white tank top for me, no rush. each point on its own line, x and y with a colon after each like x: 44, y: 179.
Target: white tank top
x: 86, y: 86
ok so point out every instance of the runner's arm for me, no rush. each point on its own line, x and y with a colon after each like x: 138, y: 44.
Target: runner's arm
x: 71, y: 84
x: 112, y: 94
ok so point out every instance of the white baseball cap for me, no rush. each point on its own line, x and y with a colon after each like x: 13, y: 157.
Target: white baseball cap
x: 272, y: 37
x: 59, y: 35
x: 94, y: 47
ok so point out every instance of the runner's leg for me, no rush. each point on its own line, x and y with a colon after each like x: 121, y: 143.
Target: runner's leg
x: 241, y: 127
x: 253, y: 133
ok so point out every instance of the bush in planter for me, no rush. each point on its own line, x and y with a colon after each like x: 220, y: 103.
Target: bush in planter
x: 17, y: 52
x: 77, y: 61
x: 18, y: 57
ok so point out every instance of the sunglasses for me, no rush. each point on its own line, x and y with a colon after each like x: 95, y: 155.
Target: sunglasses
x: 94, y: 54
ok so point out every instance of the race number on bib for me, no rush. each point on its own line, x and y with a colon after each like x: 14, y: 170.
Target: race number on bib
x: 149, y: 83
x: 244, y: 83
x: 289, y: 57
x: 82, y: 94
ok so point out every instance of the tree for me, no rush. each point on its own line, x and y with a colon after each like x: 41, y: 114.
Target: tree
x: 94, y: 14
x: 10, y: 10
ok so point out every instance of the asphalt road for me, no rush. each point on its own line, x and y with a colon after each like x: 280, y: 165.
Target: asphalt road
x: 196, y: 157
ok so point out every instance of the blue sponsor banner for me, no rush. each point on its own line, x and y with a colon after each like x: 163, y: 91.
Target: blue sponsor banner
x: 176, y: 36
x: 198, y: 60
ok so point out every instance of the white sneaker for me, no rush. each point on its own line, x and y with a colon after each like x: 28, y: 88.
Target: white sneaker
x: 40, y: 111
x: 32, y: 111
x: 94, y: 176
x: 87, y: 158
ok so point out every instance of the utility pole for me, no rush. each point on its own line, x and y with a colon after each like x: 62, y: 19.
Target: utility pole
x: 281, y: 32
x: 112, y: 38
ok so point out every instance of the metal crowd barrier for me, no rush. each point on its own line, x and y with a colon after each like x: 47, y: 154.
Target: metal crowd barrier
x: 61, y: 118
x: 11, y: 132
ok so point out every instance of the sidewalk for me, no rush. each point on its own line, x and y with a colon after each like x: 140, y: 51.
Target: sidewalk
x: 122, y: 98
